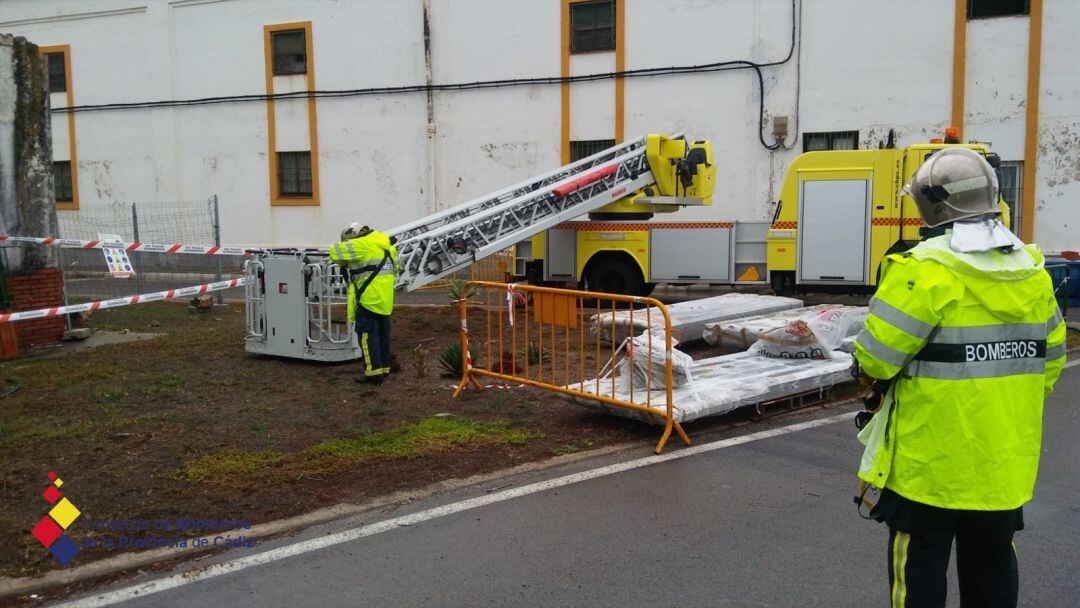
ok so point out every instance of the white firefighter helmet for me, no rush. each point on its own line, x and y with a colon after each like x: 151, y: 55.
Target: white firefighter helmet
x: 954, y: 184
x: 354, y: 230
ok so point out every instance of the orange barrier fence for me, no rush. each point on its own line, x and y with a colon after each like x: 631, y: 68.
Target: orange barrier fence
x: 551, y: 339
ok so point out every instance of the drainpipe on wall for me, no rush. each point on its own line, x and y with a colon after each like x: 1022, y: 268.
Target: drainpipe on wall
x: 432, y: 199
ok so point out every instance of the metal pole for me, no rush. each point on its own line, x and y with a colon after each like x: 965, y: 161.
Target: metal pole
x: 135, y: 235
x: 217, y: 241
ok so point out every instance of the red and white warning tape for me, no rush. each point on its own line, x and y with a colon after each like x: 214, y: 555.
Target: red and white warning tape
x: 147, y: 247
x: 183, y: 292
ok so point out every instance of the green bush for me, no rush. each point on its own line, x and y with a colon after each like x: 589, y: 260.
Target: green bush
x: 452, y: 361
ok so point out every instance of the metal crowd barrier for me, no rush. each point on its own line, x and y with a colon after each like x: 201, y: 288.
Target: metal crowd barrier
x: 549, y: 338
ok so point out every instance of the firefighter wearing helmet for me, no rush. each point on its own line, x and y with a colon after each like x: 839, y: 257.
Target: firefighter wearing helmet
x: 369, y: 259
x: 964, y: 340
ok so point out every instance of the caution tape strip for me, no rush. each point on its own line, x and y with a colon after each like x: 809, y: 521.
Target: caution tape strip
x: 183, y: 292
x: 146, y: 247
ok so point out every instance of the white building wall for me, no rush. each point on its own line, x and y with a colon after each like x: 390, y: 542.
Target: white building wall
x: 858, y: 69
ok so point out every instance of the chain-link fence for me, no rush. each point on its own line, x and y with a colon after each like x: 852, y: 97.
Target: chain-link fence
x: 86, y: 271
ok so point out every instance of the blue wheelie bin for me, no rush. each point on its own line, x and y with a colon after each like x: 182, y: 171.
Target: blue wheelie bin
x: 1059, y: 269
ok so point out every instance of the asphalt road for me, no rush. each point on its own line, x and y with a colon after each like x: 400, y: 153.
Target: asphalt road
x: 763, y: 523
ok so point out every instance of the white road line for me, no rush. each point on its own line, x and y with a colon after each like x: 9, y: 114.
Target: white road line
x: 242, y: 563
x: 1072, y: 363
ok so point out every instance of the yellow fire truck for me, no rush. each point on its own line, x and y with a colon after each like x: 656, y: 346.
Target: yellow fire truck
x: 839, y: 213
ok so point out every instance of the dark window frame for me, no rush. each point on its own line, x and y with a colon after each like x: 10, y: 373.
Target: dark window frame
x: 584, y: 148
x: 62, y: 186
x: 293, y: 175
x: 992, y: 9
x: 287, y: 62
x: 832, y: 138
x: 591, y: 38
x: 57, y: 80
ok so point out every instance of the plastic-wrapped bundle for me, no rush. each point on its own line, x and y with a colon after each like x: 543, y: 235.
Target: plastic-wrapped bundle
x: 640, y: 358
x: 689, y: 319
x: 815, y: 338
x: 743, y: 333
x: 722, y: 384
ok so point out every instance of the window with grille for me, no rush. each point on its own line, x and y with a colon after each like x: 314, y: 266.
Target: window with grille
x: 1011, y: 178
x: 585, y: 148
x: 831, y: 140
x: 592, y: 26
x: 982, y: 9
x: 57, y: 73
x: 294, y: 173
x: 62, y: 181
x: 290, y: 52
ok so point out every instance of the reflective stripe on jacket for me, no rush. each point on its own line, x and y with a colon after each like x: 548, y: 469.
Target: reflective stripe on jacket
x: 975, y: 342
x: 362, y: 256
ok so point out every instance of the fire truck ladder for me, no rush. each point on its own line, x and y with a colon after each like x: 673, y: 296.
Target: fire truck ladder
x: 451, y: 240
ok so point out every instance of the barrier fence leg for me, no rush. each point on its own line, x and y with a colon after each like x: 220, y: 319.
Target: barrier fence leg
x: 466, y: 360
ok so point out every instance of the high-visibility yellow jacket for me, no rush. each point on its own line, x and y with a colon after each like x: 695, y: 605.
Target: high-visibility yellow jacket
x: 362, y: 257
x: 975, y: 342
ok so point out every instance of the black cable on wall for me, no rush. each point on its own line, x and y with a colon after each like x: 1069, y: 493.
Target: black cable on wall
x: 720, y: 66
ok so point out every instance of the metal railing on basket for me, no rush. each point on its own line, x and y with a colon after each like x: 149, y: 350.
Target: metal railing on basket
x: 557, y: 340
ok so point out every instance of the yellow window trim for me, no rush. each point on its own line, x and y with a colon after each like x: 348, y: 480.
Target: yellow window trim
x: 276, y: 199
x: 65, y: 50
x: 564, y: 65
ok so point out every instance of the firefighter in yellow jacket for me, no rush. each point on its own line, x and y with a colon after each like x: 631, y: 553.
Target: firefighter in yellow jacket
x: 965, y: 340
x: 370, y: 261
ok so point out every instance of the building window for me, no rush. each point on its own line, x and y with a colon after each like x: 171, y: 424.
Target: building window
x: 592, y: 26
x: 290, y: 52
x: 294, y: 173
x: 62, y: 181
x: 588, y: 147
x: 832, y: 140
x: 57, y: 73
x: 1011, y: 184
x: 981, y: 9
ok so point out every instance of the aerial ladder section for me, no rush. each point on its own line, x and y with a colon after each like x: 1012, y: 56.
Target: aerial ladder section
x: 296, y: 298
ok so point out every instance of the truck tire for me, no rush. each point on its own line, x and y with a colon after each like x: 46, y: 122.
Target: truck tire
x: 616, y: 275
x: 783, y: 283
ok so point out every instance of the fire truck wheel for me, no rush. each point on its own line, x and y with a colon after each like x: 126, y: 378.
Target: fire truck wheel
x: 616, y: 275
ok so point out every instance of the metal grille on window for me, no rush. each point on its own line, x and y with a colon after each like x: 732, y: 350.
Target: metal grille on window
x: 1012, y: 188
x: 294, y: 173
x: 57, y: 73
x: 981, y: 9
x: 290, y: 52
x: 588, y: 147
x: 831, y: 140
x: 62, y: 181
x: 592, y: 26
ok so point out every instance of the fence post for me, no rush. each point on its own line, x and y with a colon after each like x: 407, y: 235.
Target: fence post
x: 135, y: 235
x: 217, y: 241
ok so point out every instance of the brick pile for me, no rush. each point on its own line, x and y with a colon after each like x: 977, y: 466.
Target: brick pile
x: 32, y: 290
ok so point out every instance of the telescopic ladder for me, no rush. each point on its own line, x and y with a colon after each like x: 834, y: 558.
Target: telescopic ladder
x: 451, y: 240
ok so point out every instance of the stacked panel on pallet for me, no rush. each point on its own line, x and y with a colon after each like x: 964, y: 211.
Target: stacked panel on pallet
x: 689, y: 319
x: 723, y: 384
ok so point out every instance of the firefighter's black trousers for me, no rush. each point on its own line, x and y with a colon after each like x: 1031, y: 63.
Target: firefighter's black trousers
x: 373, y: 333
x: 920, y: 543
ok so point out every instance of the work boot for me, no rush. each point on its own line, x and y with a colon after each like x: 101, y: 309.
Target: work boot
x: 376, y: 379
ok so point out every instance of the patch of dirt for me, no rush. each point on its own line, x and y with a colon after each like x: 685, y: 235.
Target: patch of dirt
x: 129, y: 426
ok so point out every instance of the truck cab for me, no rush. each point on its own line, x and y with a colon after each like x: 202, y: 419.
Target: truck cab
x: 841, y: 212
x: 620, y: 249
